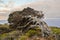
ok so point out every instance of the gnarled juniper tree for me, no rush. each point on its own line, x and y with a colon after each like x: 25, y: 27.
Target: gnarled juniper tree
x: 26, y: 19
x: 20, y: 18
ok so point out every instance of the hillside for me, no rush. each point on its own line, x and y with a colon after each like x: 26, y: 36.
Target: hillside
x: 28, y: 25
x: 34, y: 34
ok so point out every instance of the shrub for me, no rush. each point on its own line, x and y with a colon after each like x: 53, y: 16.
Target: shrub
x: 32, y: 33
x: 23, y: 38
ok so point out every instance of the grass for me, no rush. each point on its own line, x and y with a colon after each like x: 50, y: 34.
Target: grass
x: 28, y: 34
x: 55, y: 30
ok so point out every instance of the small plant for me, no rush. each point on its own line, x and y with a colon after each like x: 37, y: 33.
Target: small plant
x: 23, y: 38
x: 32, y: 33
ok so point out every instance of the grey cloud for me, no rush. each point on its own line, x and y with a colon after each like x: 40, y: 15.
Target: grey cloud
x: 51, y: 8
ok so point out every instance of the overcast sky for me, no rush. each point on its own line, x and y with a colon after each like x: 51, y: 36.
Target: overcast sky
x: 51, y: 8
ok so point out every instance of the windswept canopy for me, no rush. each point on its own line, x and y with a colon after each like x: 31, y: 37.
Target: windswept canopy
x: 16, y: 18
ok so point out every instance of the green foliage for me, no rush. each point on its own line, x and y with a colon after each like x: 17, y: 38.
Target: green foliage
x: 33, y: 33
x: 4, y: 25
x: 23, y: 37
x: 30, y: 33
x: 15, y: 34
x: 3, y: 36
x: 11, y: 35
x: 55, y: 30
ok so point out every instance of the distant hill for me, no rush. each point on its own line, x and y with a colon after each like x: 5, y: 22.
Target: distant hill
x: 53, y: 22
x: 3, y: 21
